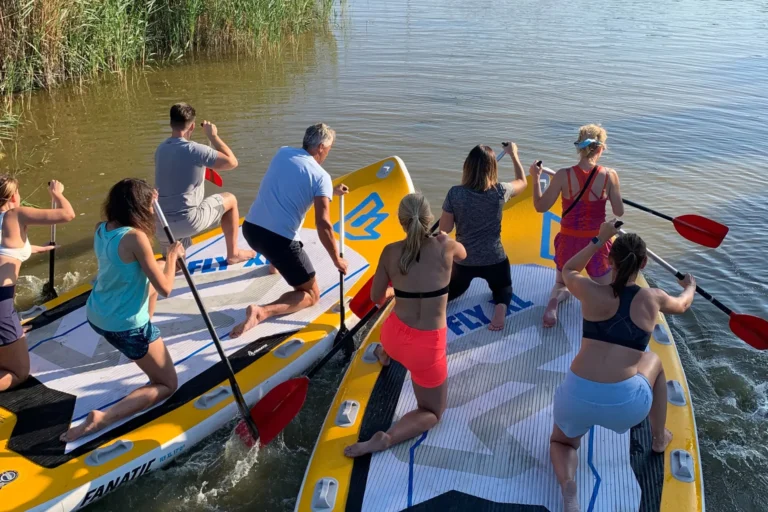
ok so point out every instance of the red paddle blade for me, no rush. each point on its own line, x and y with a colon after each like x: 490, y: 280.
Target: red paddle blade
x: 700, y: 230
x: 751, y: 329
x: 361, y: 303
x: 213, y: 177
x: 276, y: 410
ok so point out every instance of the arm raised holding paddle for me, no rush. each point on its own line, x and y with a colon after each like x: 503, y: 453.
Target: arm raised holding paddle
x: 225, y: 158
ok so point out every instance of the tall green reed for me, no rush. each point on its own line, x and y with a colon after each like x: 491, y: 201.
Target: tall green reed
x: 47, y: 41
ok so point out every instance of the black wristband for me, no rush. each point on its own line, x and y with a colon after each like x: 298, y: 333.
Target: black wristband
x: 596, y: 240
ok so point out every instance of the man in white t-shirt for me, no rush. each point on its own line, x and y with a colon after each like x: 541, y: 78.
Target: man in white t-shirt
x: 295, y: 180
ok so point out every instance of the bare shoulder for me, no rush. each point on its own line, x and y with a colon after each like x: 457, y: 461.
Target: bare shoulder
x: 135, y: 239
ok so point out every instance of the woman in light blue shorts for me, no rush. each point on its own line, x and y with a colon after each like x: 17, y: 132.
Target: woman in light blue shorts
x: 613, y: 381
x: 122, y: 301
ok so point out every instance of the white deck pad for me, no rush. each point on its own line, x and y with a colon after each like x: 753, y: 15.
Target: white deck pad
x: 493, y: 440
x: 67, y: 355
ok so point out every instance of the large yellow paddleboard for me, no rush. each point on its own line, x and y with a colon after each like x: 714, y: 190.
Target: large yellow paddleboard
x: 75, y: 371
x: 491, y: 449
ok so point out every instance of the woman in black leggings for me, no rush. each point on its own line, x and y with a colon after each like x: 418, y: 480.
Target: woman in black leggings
x: 474, y: 208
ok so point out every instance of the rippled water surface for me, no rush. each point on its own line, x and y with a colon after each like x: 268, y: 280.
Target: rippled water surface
x: 680, y: 86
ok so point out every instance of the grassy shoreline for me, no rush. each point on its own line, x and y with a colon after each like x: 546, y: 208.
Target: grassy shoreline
x: 46, y: 42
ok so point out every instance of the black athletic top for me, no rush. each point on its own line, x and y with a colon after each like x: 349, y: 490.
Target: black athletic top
x: 619, y: 329
x: 420, y: 295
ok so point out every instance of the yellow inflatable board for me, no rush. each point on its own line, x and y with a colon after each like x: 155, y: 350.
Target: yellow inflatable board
x: 491, y: 449
x: 74, y: 370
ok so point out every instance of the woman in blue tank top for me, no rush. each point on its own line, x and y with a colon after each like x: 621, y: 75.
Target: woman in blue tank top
x: 122, y: 302
x: 613, y: 381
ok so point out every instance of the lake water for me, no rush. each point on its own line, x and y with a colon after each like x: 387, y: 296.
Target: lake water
x: 680, y: 86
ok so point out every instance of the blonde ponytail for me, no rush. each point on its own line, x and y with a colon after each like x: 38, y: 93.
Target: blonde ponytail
x: 415, y: 217
x: 8, y: 187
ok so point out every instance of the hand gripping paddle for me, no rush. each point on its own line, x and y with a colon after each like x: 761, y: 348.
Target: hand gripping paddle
x: 697, y: 229
x: 751, y: 329
x: 251, y: 428
x: 277, y: 408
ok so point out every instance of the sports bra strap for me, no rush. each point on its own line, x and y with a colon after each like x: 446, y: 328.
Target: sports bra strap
x: 421, y: 295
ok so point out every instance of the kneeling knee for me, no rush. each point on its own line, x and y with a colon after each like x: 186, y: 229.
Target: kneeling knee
x: 23, y: 374
x: 230, y: 200
x: 314, y: 296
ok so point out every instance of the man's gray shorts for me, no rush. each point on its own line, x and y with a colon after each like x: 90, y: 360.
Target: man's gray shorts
x: 190, y: 223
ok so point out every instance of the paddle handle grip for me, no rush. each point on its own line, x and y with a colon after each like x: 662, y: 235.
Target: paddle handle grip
x: 239, y: 399
x: 680, y: 276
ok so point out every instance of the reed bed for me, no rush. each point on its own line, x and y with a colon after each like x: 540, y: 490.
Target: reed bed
x: 44, y: 42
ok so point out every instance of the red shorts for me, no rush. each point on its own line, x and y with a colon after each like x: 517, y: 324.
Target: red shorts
x: 423, y: 353
x: 567, y: 246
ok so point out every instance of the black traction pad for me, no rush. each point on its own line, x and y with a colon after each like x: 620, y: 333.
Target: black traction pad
x: 43, y: 414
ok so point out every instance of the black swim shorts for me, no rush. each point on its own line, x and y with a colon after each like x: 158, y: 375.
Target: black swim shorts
x: 288, y: 256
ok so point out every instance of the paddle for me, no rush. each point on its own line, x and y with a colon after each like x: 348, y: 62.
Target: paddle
x: 349, y: 347
x: 278, y: 407
x: 213, y: 177
x: 695, y: 228
x: 239, y: 399
x: 48, y: 289
x: 362, y: 302
x: 751, y: 329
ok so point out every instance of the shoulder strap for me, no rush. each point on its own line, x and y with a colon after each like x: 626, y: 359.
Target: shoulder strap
x: 584, y: 189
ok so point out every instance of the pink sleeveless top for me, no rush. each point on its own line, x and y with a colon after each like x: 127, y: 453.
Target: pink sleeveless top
x: 584, y: 220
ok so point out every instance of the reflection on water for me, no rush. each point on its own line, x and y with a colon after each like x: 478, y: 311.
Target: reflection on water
x: 680, y: 86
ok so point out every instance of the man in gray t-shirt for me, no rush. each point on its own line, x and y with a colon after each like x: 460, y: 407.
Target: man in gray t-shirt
x: 180, y: 181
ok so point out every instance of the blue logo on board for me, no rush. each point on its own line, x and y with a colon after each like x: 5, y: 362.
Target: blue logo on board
x: 473, y: 318
x: 546, y: 234
x: 362, y: 221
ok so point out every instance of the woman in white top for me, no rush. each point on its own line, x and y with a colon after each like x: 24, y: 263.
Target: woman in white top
x: 15, y: 249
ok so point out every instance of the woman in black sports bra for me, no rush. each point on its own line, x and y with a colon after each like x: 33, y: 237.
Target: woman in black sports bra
x: 414, y: 334
x: 613, y: 381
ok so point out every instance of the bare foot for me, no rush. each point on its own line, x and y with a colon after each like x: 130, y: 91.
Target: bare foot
x: 379, y: 442
x: 499, y: 314
x: 240, y: 256
x: 253, y: 316
x: 570, y: 497
x: 660, y: 445
x: 550, y: 314
x: 273, y: 270
x: 93, y: 423
x: 382, y: 355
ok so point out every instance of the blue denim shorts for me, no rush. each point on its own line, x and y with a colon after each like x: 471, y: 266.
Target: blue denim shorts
x: 133, y: 343
x: 580, y: 404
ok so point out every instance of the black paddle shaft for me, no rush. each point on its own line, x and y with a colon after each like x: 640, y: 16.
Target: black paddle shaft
x: 646, y: 209
x: 48, y: 288
x: 339, y: 342
x: 239, y: 399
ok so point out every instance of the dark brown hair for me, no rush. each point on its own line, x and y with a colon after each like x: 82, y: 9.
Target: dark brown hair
x: 627, y: 256
x: 480, y: 169
x: 182, y: 114
x: 129, y: 203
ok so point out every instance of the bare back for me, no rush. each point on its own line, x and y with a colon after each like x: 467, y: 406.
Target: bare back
x: 600, y: 361
x: 431, y: 272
